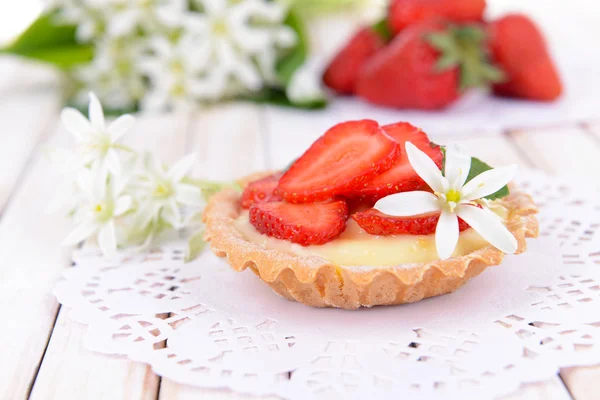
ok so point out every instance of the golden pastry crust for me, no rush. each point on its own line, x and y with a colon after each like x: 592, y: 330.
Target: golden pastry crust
x: 316, y: 282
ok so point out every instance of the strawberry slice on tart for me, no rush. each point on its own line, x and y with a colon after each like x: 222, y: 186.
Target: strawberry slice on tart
x: 261, y: 190
x: 401, y: 177
x: 305, y: 224
x: 377, y: 223
x: 343, y: 159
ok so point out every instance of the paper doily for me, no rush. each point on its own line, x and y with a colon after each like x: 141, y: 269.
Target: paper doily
x: 204, y: 325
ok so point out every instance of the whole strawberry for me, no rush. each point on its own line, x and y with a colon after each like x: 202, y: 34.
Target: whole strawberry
x: 403, y: 13
x: 427, y: 67
x: 519, y: 48
x: 343, y: 70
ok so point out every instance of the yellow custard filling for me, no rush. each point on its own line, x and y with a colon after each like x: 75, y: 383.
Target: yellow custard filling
x: 355, y: 247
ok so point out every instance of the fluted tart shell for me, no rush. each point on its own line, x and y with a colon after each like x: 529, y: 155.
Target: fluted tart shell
x: 316, y: 282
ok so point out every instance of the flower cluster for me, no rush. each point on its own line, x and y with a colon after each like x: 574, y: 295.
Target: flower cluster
x: 116, y: 196
x: 454, y: 197
x: 163, y: 54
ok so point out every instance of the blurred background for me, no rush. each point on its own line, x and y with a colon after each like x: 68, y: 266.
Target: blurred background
x: 133, y: 65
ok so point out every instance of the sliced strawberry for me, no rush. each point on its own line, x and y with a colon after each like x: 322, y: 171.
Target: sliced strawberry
x: 402, y: 177
x: 377, y: 223
x: 356, y: 204
x: 345, y: 157
x: 261, y: 190
x: 305, y: 224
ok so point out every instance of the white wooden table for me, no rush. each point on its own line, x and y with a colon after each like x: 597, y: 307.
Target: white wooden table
x: 43, y: 356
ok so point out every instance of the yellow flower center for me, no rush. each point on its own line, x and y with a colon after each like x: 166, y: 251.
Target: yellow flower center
x: 163, y: 190
x: 177, y: 67
x: 219, y: 28
x: 103, y: 211
x: 453, y: 196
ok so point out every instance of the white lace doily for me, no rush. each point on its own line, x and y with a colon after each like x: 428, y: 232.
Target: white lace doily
x: 204, y: 325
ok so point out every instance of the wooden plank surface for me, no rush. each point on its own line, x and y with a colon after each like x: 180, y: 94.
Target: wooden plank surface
x: 31, y: 262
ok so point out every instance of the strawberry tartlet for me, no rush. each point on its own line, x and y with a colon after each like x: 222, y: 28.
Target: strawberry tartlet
x: 371, y: 215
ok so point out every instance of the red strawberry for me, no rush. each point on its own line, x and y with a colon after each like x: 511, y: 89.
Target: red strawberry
x: 402, y: 177
x: 261, y: 190
x: 342, y: 72
x: 427, y: 67
x: 377, y: 223
x: 345, y: 157
x: 403, y: 13
x: 305, y: 224
x: 519, y: 48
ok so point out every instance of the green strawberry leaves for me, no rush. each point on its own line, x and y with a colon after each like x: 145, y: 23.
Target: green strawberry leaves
x: 464, y: 47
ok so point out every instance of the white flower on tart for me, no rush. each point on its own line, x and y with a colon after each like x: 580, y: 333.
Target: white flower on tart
x: 453, y: 198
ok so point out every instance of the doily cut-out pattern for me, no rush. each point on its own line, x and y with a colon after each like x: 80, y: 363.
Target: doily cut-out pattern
x: 204, y: 325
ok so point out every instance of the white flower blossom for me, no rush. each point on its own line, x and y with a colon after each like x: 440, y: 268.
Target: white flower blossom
x: 453, y: 198
x: 236, y: 42
x: 162, y: 192
x: 149, y: 15
x: 102, y: 203
x: 114, y: 74
x: 97, y: 144
x: 174, y: 70
x: 89, y: 16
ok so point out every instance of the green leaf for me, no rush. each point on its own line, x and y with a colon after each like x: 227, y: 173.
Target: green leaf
x: 278, y: 97
x: 383, y: 30
x: 195, y: 246
x: 50, y: 42
x: 478, y: 167
x: 297, y: 56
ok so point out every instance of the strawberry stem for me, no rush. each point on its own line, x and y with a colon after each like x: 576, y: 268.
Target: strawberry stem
x: 464, y: 47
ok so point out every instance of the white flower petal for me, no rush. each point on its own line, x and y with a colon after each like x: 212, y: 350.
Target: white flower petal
x: 96, y: 113
x: 189, y: 194
x: 107, y: 239
x: 458, y: 164
x: 122, y: 23
x: 446, y: 234
x: 168, y: 15
x: 76, y: 123
x: 248, y: 74
x: 120, y: 127
x: 408, y: 204
x: 286, y: 37
x: 488, y: 182
x: 181, y: 167
x: 112, y: 162
x: 425, y: 167
x: 146, y: 213
x: 489, y: 226
x: 123, y: 204
x: 172, y: 214
x: 81, y: 232
x: 98, y: 184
